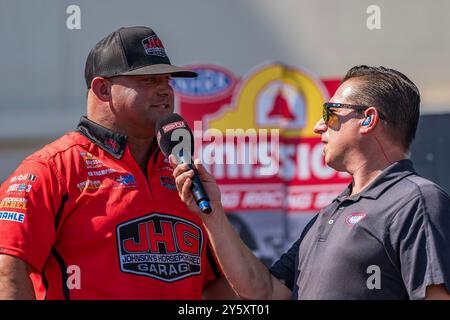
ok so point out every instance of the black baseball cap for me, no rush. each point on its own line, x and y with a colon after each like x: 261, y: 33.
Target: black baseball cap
x: 131, y: 51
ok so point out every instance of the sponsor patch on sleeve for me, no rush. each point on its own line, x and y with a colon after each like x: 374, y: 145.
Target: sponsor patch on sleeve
x: 14, y: 203
x: 12, y: 216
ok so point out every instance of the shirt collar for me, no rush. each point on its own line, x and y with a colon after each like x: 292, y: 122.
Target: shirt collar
x: 112, y: 142
x: 390, y: 175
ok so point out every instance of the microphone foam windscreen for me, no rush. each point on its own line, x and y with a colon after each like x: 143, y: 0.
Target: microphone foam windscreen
x: 164, y: 129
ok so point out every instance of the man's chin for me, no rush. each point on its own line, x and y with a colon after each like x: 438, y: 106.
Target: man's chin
x: 335, y: 165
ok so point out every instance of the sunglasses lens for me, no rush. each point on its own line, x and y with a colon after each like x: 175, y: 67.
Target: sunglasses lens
x: 325, y: 114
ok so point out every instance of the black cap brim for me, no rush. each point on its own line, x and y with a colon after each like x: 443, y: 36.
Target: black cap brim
x: 155, y: 69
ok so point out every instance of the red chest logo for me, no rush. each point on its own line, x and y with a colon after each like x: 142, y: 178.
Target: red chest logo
x: 114, y: 146
x: 160, y: 246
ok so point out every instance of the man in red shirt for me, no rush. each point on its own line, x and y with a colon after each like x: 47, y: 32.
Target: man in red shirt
x: 95, y: 214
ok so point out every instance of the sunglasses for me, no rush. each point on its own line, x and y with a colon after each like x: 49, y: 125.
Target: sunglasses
x: 327, y: 114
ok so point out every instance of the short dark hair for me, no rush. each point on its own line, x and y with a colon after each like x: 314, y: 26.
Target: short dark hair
x: 393, y: 94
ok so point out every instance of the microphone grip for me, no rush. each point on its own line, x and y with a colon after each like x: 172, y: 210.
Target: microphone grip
x: 199, y: 193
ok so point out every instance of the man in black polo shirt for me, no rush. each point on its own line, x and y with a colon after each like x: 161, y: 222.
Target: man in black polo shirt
x: 387, y: 236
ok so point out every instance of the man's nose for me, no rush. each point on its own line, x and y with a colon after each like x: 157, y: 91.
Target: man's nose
x: 320, y: 127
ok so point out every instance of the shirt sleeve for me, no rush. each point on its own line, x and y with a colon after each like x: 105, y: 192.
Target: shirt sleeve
x: 30, y: 199
x: 213, y: 270
x: 420, y: 233
x: 284, y: 269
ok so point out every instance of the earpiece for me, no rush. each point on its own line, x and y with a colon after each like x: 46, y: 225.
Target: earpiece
x: 367, y: 121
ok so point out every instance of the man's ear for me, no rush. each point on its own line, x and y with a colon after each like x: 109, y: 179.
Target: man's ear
x: 101, y: 88
x: 367, y: 121
x: 370, y: 120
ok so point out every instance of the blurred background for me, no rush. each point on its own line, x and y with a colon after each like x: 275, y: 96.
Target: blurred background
x: 45, y: 44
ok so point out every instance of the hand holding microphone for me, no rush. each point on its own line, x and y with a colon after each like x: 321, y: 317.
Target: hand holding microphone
x: 176, y: 141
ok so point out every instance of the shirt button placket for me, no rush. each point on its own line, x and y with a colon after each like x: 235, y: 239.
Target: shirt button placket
x: 329, y: 223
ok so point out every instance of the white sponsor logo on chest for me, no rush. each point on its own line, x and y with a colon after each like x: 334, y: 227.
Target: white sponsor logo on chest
x: 354, y: 218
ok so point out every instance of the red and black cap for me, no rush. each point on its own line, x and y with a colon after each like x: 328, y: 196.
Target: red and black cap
x: 131, y: 51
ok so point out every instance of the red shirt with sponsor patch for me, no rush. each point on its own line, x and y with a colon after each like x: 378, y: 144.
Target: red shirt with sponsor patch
x: 91, y: 225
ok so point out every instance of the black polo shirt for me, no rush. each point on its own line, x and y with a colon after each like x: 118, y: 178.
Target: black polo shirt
x: 390, y: 241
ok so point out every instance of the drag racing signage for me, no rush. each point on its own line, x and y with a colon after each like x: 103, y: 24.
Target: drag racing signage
x: 255, y: 135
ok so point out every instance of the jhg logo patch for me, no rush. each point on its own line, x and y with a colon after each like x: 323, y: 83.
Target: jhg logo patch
x: 111, y: 144
x: 160, y: 246
x: 154, y: 46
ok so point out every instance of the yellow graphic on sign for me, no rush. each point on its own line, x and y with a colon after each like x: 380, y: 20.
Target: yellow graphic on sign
x: 275, y: 96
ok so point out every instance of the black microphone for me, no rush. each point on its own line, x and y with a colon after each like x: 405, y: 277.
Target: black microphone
x: 175, y: 137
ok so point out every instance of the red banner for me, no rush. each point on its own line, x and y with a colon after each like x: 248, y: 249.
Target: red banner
x: 255, y: 135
